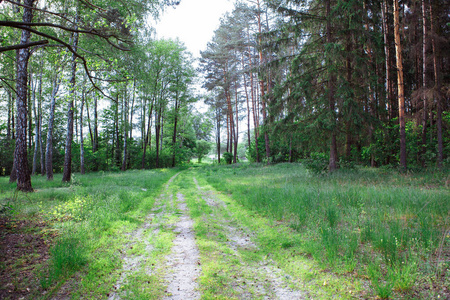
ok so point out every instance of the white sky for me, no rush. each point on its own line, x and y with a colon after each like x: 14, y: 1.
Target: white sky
x: 193, y: 22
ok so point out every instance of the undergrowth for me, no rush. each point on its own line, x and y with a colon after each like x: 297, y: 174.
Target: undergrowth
x: 85, y: 220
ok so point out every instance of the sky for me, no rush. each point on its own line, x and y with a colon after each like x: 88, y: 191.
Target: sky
x: 193, y: 22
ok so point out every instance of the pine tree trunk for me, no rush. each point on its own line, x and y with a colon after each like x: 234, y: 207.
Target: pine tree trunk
x: 67, y: 173
x: 331, y: 101
x: 252, y: 93
x: 261, y: 83
x: 20, y: 152
x: 401, y: 93
x: 389, y: 89
x: 218, y: 134
x: 437, y: 87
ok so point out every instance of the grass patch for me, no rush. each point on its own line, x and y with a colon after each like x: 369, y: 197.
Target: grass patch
x: 86, y: 221
x: 351, y: 218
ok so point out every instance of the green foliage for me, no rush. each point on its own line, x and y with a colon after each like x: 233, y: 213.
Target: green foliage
x: 316, y: 163
x: 228, y: 157
x: 202, y: 148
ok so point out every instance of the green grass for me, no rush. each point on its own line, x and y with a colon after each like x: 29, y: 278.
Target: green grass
x: 236, y: 272
x: 353, y: 218
x: 85, y: 221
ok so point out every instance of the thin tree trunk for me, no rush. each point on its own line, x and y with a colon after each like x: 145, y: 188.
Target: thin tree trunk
x: 331, y: 81
x: 83, y: 99
x: 36, y: 129
x: 401, y: 93
x: 254, y: 107
x: 157, y: 133
x: 41, y: 150
x: 174, y: 136
x: 424, y: 83
x: 148, y: 135
x: 89, y: 124
x: 218, y: 112
x: 389, y: 89
x: 49, y: 147
x: 248, y: 105
x: 95, y: 146
x: 117, y: 154
x: 10, y: 116
x: 125, y: 131
x: 236, y: 132
x: 437, y: 87
x: 67, y: 173
x: 20, y: 152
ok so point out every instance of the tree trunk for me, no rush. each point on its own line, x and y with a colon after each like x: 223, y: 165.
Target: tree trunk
x: 83, y: 99
x: 36, y: 130
x: 387, y: 52
x: 331, y: 101
x: 68, y: 153
x: 174, y: 136
x: 49, y: 148
x: 148, y: 135
x: 424, y: 83
x: 89, y: 124
x: 252, y: 93
x: 218, y: 112
x: 117, y: 154
x: 20, y: 152
x: 236, y: 132
x: 157, y: 133
x: 261, y: 83
x: 125, y: 131
x: 437, y: 87
x: 41, y: 150
x: 401, y: 93
x: 95, y: 146
x: 9, y: 128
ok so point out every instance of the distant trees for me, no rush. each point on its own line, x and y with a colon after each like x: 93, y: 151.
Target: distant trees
x: 326, y: 74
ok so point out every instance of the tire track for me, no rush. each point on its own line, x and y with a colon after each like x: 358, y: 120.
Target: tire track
x: 268, y: 279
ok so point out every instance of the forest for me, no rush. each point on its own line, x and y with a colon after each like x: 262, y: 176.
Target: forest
x: 86, y: 87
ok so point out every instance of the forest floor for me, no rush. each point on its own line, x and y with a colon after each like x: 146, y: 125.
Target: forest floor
x: 185, y: 235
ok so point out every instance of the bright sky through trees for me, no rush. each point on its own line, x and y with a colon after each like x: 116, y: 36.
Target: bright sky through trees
x: 193, y: 22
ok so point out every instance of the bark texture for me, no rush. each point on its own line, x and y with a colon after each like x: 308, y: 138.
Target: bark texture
x: 20, y: 152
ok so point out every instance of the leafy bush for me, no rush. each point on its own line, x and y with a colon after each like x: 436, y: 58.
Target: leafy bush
x: 228, y: 157
x: 317, y: 163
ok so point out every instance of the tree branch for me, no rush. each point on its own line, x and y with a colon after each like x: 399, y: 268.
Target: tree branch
x: 21, y: 46
x: 69, y: 47
x: 92, y: 31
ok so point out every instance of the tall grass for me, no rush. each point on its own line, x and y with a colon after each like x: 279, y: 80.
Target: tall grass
x: 380, y: 223
x: 85, y: 219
